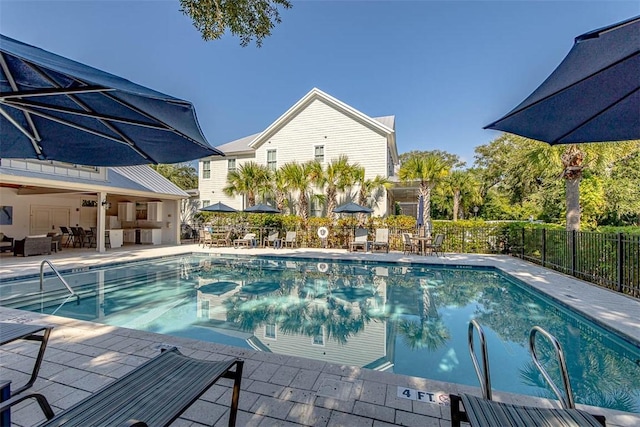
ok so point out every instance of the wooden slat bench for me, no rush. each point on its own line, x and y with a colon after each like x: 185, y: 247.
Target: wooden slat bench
x: 154, y: 394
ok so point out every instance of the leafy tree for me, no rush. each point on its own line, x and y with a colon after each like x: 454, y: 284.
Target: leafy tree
x: 248, y: 179
x: 453, y: 160
x: 279, y: 188
x: 183, y: 175
x: 428, y: 171
x: 622, y: 192
x: 247, y: 19
x: 460, y: 185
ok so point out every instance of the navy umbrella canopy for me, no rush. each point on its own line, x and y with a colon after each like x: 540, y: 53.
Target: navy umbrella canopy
x: 352, y: 207
x: 218, y: 207
x: 593, y: 95
x: 261, y: 208
x: 54, y: 108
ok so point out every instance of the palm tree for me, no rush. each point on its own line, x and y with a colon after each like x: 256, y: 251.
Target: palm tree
x: 336, y: 177
x: 279, y: 188
x: 429, y: 170
x: 461, y: 185
x: 299, y: 177
x: 248, y: 179
x: 572, y: 161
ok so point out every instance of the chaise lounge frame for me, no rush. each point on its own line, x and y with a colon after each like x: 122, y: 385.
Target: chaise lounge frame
x: 154, y: 394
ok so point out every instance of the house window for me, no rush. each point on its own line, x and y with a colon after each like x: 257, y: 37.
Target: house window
x: 316, y: 208
x: 272, y: 164
x: 205, y: 203
x: 318, y: 339
x: 319, y: 153
x: 206, y: 169
x: 270, y: 331
x: 204, y: 309
x: 231, y: 165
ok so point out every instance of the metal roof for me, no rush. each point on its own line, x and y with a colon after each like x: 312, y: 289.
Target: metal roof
x: 135, y: 178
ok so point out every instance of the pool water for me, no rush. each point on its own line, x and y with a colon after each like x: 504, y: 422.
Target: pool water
x: 402, y: 318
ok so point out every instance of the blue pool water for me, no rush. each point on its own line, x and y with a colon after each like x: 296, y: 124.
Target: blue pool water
x: 407, y: 319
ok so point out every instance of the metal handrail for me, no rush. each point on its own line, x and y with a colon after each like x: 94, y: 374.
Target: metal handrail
x: 483, y: 377
x: 566, y: 401
x: 55, y: 270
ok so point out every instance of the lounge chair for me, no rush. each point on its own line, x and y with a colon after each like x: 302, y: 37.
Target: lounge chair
x: 6, y: 243
x: 154, y: 394
x: 10, y: 332
x: 408, y: 245
x: 272, y: 240
x: 436, y: 245
x: 247, y: 240
x: 290, y: 240
x: 484, y: 412
x: 360, y: 240
x: 382, y: 240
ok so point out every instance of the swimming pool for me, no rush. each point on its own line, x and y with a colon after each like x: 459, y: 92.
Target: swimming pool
x: 403, y: 318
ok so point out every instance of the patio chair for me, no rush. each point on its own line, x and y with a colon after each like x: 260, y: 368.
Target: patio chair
x: 381, y: 241
x: 485, y: 412
x: 247, y: 240
x: 272, y: 240
x: 78, y: 236
x: 10, y: 332
x: 223, y: 239
x: 408, y: 245
x: 290, y: 240
x: 360, y: 240
x: 436, y: 245
x: 207, y: 240
x: 67, y: 236
x: 154, y: 394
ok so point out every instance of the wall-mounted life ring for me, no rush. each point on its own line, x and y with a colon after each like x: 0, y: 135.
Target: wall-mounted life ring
x: 323, y: 267
x: 323, y: 232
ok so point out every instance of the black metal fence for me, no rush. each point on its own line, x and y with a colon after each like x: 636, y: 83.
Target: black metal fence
x: 606, y: 259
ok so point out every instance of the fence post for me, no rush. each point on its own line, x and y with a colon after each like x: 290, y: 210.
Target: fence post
x: 573, y: 252
x: 620, y: 253
x: 522, y: 245
x: 544, y: 246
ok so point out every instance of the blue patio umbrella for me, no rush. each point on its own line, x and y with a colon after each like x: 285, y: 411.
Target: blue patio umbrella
x: 261, y: 208
x: 218, y: 207
x: 420, y: 217
x: 352, y: 207
x: 593, y: 95
x: 54, y: 108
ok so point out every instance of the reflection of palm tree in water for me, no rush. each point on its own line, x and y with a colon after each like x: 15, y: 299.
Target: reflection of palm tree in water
x: 430, y: 332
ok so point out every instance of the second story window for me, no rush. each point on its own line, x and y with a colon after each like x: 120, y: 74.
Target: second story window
x: 206, y: 169
x: 231, y: 165
x: 319, y: 153
x: 272, y: 163
x: 205, y: 203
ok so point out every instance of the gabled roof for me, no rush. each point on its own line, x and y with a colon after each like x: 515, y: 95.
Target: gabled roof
x: 315, y: 94
x: 140, y: 178
x: 247, y: 145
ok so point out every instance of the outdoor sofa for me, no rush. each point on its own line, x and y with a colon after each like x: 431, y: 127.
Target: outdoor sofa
x: 6, y: 243
x: 32, y: 245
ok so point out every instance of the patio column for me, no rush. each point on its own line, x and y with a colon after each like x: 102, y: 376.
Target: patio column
x: 102, y: 218
x: 175, y: 221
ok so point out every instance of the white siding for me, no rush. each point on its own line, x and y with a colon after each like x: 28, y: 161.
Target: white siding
x: 319, y: 123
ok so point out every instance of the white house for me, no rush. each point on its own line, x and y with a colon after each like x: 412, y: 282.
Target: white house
x: 133, y: 204
x: 317, y: 127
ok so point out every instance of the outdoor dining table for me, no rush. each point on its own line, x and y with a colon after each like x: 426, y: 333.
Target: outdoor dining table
x: 422, y: 242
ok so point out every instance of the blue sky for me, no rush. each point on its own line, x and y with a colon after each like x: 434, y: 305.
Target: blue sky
x: 444, y: 69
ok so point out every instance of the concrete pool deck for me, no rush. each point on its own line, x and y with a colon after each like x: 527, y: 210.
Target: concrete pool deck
x: 277, y: 389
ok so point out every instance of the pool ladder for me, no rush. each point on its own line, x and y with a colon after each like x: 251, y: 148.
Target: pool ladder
x: 55, y: 270
x: 566, y: 400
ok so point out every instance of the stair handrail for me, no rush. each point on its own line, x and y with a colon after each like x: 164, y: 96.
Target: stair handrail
x: 483, y: 377
x: 55, y: 270
x: 567, y: 401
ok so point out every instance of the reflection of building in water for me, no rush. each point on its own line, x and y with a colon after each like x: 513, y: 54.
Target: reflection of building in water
x: 336, y: 324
